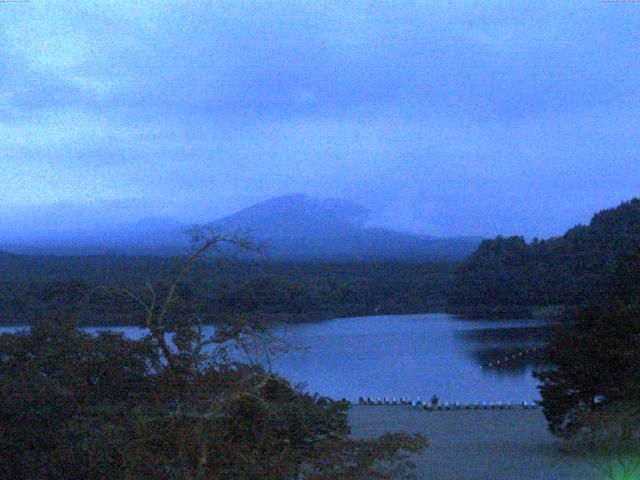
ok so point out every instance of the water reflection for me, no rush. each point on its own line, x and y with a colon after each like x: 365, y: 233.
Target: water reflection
x: 511, y: 350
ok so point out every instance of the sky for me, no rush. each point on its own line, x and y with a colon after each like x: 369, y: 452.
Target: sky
x: 446, y: 118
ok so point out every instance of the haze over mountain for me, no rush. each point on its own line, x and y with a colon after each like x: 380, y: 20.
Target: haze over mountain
x: 290, y: 226
x: 302, y: 226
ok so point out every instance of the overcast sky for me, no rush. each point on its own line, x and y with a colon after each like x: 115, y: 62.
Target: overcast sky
x: 445, y: 117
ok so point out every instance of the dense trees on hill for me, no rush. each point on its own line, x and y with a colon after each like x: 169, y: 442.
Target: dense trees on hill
x: 578, y: 268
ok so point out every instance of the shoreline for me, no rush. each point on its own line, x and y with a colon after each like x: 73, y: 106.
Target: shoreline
x: 321, y: 317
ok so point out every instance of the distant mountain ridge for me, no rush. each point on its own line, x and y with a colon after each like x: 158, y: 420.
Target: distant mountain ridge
x: 299, y: 226
x: 293, y: 226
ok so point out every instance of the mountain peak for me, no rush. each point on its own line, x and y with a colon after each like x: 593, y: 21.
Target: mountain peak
x: 299, y: 210
x: 303, y: 201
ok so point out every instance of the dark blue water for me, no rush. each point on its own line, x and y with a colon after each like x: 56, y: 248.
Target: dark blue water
x: 410, y: 356
x: 415, y: 355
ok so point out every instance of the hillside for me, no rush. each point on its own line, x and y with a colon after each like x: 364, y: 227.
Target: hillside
x: 588, y: 264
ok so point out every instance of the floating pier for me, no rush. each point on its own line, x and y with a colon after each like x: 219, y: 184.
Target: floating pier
x: 447, y: 406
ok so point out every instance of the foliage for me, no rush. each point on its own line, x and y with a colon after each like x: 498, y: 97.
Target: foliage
x: 576, y: 269
x: 54, y: 380
x: 595, y: 364
x: 173, y: 405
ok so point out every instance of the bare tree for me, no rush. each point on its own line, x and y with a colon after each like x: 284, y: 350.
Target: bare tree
x: 189, y: 341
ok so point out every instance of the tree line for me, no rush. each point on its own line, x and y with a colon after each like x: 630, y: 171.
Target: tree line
x: 274, y: 290
x: 582, y: 267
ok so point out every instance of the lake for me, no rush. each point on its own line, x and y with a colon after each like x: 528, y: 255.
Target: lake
x: 410, y: 356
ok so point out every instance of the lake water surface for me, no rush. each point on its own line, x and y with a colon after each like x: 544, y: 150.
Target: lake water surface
x: 416, y: 355
x: 411, y: 356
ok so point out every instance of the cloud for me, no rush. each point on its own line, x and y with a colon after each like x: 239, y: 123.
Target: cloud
x: 449, y: 118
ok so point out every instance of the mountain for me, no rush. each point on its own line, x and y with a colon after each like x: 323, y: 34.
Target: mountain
x: 299, y: 226
x: 291, y: 227
x: 588, y: 264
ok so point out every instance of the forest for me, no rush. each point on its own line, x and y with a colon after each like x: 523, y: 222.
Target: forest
x: 218, y: 288
x: 589, y: 263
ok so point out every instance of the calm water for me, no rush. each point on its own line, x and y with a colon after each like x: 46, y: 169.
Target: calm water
x: 415, y: 355
x: 411, y: 356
